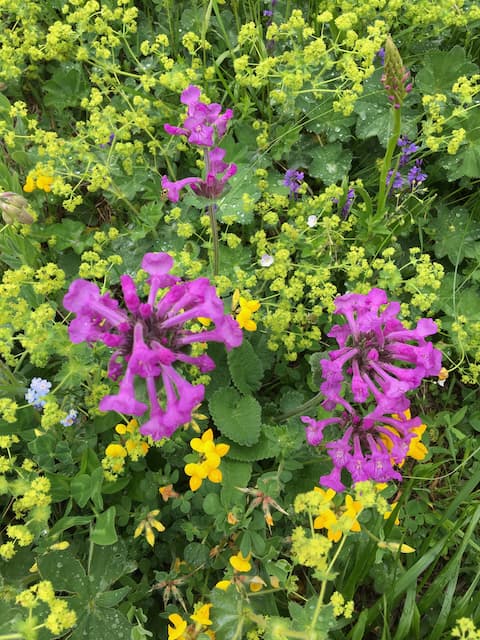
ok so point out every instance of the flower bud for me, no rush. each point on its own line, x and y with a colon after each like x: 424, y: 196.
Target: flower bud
x: 396, y: 77
x: 14, y: 208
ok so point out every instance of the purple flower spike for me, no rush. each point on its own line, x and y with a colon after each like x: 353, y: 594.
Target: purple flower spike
x: 383, y: 359
x: 150, y: 338
x: 293, y: 180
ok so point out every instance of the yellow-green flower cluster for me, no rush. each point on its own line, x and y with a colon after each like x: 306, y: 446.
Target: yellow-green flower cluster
x: 61, y: 617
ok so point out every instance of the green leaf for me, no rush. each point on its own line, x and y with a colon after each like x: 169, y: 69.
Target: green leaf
x: 104, y: 531
x: 102, y: 624
x: 227, y: 614
x: 112, y: 598
x: 64, y: 571
x: 456, y: 234
x: 441, y: 69
x: 330, y: 163
x: 264, y: 448
x: 245, y: 367
x: 235, y: 474
x: 81, y: 489
x: 237, y: 417
x: 108, y: 565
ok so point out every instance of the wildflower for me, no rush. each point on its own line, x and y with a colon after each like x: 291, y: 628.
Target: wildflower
x: 43, y: 182
x: 167, y: 492
x: 375, y: 344
x: 241, y: 563
x: 416, y: 175
x: 396, y: 78
x: 179, y: 626
x: 442, y: 376
x: 146, y: 527
x: 347, y: 204
x: 266, y: 260
x: 14, y: 208
x: 202, y: 615
x: 70, y: 418
x: 109, y: 142
x: 338, y: 521
x: 38, y: 389
x: 362, y: 450
x: 217, y: 175
x: 293, y: 180
x: 244, y: 316
x: 207, y: 467
x: 408, y: 148
x: 203, y: 122
x: 394, y: 180
x: 149, y: 337
x: 312, y: 221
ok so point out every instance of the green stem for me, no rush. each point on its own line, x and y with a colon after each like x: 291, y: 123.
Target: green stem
x: 321, y: 595
x: 387, y: 162
x: 301, y: 408
x: 214, y: 232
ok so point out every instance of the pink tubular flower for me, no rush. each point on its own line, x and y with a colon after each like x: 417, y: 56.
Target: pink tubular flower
x: 218, y: 173
x: 203, y: 121
x: 148, y: 338
x: 377, y: 355
x: 361, y: 450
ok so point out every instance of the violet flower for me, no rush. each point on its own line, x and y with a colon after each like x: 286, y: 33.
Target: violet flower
x: 408, y: 149
x: 377, y: 356
x: 347, y: 204
x: 416, y: 175
x: 361, y: 450
x: 203, y: 122
x: 293, y: 180
x: 218, y: 173
x: 149, y: 338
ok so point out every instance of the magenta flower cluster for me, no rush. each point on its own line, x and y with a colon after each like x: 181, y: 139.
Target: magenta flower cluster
x: 149, y: 339
x: 203, y: 126
x: 378, y: 361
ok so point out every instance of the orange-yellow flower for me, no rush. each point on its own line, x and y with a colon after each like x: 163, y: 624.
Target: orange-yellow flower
x: 241, y: 563
x: 146, y: 526
x: 210, y: 455
x: 202, y: 615
x: 179, y: 626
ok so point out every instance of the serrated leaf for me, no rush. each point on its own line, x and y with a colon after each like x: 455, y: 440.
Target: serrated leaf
x: 100, y: 623
x: 235, y: 474
x: 237, y: 417
x: 245, y: 368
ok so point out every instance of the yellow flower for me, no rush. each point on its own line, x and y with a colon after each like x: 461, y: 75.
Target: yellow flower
x: 179, y: 626
x: 202, y: 615
x: 44, y: 183
x: 210, y: 455
x: 387, y: 514
x: 115, y: 451
x: 29, y: 185
x: 223, y: 584
x: 335, y: 525
x: 240, y: 563
x: 244, y: 316
x: 416, y: 450
x: 146, y: 526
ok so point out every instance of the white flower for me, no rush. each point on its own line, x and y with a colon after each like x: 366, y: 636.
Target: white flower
x: 266, y: 260
x: 312, y: 221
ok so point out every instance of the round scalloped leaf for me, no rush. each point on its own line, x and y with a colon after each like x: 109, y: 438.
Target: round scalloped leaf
x: 263, y: 449
x: 237, y: 417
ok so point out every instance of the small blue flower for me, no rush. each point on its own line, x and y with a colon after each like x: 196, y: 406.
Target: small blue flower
x: 70, y: 418
x: 38, y: 389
